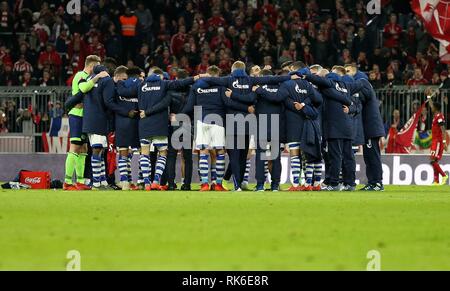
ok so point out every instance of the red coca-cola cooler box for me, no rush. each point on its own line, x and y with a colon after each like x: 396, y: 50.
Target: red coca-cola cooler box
x: 36, y: 180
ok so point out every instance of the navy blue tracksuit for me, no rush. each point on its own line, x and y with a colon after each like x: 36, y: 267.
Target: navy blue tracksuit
x: 177, y: 102
x: 152, y: 92
x: 211, y: 100
x: 373, y: 130
x: 96, y: 105
x: 127, y: 129
x: 241, y: 84
x: 268, y: 104
x: 214, y: 102
x: 338, y: 125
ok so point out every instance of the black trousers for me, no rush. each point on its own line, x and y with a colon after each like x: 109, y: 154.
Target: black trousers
x: 275, y: 174
x: 87, y: 164
x: 170, y: 171
x: 238, y: 160
x: 372, y: 159
x: 326, y: 160
x: 341, y: 156
x: 153, y: 160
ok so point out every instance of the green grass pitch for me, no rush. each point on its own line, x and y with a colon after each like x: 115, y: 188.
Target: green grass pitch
x: 409, y: 226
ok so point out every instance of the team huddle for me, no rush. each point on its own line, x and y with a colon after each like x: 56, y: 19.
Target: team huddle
x: 321, y: 117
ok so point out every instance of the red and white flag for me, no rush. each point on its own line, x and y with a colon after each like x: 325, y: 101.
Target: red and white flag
x: 401, y: 142
x: 435, y: 15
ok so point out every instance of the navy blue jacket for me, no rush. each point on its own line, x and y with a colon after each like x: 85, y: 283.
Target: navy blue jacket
x: 241, y: 84
x: 153, y: 93
x: 268, y: 104
x: 73, y: 100
x: 95, y: 104
x: 355, y: 110
x: 212, y: 100
x: 127, y: 129
x: 299, y: 91
x: 371, y: 116
x: 336, y: 123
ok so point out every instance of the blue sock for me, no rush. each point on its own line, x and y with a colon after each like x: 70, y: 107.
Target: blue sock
x: 103, y: 174
x: 160, y: 166
x: 295, y: 169
x: 317, y: 173
x: 144, y: 162
x: 266, y: 171
x: 309, y: 173
x: 220, y: 167
x: 247, y: 171
x: 203, y: 168
x: 96, y: 163
x: 123, y: 168
x: 130, y: 157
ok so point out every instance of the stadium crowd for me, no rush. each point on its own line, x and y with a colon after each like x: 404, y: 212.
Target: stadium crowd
x: 41, y: 44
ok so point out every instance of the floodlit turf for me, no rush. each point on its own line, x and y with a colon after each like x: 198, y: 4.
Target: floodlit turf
x: 409, y: 226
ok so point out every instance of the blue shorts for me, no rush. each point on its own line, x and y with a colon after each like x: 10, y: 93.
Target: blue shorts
x: 76, y: 127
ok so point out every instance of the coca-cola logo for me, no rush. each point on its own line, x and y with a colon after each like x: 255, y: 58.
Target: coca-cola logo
x: 34, y: 180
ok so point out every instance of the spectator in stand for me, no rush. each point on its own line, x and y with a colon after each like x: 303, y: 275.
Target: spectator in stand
x: 62, y: 43
x: 50, y: 59
x: 6, y: 22
x: 7, y: 76
x: 417, y: 79
x: 177, y: 41
x: 128, y: 22
x: 394, y: 123
x: 445, y: 80
x: 203, y: 66
x: 360, y: 43
x: 26, y: 80
x: 264, y: 24
x: 308, y: 58
x: 427, y: 68
x: 141, y: 59
x: 391, y: 80
x: 220, y: 41
x: 163, y: 35
x: 47, y: 79
x: 42, y: 31
x: 57, y: 28
x: 113, y: 42
x: 375, y: 80
x: 216, y: 19
x: 435, y: 80
x: 392, y: 32
x: 96, y: 48
x: 184, y: 65
x: 362, y: 62
x: 3, y: 122
x: 145, y: 21
x: 22, y: 66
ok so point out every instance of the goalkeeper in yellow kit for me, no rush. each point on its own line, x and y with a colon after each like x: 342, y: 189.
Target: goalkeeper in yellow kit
x: 82, y: 82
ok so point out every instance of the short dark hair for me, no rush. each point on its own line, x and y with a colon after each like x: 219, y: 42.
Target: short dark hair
x: 182, y: 74
x: 120, y: 70
x: 437, y: 106
x: 134, y: 72
x: 265, y: 72
x: 298, y: 65
x: 213, y: 70
x: 158, y: 72
x: 286, y: 64
x: 110, y: 64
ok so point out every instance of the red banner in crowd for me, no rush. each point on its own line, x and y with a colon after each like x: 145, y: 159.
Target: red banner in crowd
x: 401, y: 142
x: 435, y: 15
